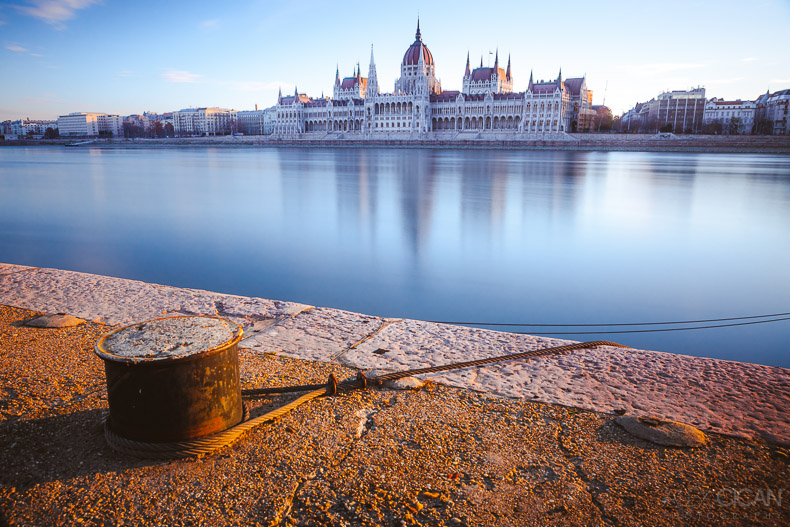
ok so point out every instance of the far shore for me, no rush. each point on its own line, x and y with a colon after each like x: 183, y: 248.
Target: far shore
x: 578, y: 142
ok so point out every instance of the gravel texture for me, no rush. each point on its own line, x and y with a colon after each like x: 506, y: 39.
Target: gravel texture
x: 438, y: 456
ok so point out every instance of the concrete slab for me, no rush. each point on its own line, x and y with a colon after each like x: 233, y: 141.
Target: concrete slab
x: 114, y: 301
x: 738, y: 399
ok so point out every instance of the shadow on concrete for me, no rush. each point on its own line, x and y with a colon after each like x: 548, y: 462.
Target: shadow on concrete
x: 56, y: 448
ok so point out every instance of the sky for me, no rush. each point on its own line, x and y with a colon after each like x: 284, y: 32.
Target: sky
x: 122, y: 57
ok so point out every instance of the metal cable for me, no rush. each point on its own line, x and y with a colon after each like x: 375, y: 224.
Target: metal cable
x: 205, y: 445
x: 604, y: 325
x: 652, y: 330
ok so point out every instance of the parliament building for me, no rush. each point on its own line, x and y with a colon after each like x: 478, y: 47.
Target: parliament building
x: 418, y: 107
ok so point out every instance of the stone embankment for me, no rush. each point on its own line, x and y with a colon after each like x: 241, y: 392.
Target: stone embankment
x: 483, y: 140
x: 738, y: 399
x: 472, y: 448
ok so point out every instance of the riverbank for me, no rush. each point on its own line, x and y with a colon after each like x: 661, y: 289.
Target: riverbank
x: 467, y: 449
x: 483, y: 140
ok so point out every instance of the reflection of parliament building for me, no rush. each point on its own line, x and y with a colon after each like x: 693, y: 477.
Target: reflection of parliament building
x: 418, y: 107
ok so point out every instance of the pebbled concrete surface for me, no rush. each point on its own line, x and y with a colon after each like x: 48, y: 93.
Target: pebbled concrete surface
x: 441, y: 456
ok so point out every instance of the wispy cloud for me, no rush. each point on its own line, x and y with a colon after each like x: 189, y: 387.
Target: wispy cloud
x: 127, y: 73
x: 181, y: 76
x: 749, y: 59
x: 16, y: 48
x: 55, y: 12
x: 780, y: 81
x: 209, y: 25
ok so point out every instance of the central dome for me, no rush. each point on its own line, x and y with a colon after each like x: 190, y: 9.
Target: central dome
x: 412, y: 56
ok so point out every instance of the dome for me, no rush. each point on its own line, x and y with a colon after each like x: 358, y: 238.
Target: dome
x: 412, y: 56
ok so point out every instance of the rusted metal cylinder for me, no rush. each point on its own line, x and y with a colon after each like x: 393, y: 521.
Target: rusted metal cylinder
x: 172, y: 379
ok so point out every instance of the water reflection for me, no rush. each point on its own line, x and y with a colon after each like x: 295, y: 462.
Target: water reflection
x: 513, y: 236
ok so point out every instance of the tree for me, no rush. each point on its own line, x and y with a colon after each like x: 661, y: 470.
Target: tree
x: 51, y: 133
x: 734, y: 125
x: 158, y: 130
x: 169, y: 130
x: 602, y: 120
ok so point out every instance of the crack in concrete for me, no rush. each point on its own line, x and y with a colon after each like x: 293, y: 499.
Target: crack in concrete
x: 366, y: 425
x: 593, y: 486
x: 339, y: 357
x: 283, y: 516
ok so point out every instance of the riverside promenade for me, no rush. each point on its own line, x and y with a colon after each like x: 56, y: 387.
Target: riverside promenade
x: 469, y: 140
x: 515, y: 443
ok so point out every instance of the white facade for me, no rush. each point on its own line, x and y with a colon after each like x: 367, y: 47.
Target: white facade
x: 736, y: 117
x: 255, y: 122
x: 83, y: 124
x: 203, y: 121
x: 773, y: 113
x: 418, y: 106
x: 28, y: 127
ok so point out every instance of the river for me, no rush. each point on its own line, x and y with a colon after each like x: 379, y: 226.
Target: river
x: 505, y: 236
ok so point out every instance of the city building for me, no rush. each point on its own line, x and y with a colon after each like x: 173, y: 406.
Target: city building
x: 203, y: 121
x: 255, y: 122
x: 772, y: 113
x: 418, y: 106
x: 82, y: 124
x: 26, y: 128
x: 729, y: 117
x: 679, y: 111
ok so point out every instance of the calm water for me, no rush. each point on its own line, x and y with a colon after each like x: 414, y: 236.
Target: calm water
x: 490, y: 236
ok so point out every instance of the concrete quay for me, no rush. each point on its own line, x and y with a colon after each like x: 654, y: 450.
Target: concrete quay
x: 468, y: 140
x: 532, y: 442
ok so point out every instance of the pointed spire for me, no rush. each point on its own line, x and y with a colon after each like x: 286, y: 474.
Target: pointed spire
x: 296, y: 92
x: 418, y: 36
x: 337, y: 75
x: 280, y: 95
x: 372, y: 62
x: 496, y: 61
x: 559, y: 77
x: 507, y: 73
x: 530, y: 80
x: 468, y: 72
x: 481, y: 61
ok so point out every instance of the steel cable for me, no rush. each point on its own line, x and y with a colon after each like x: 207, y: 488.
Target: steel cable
x: 205, y: 445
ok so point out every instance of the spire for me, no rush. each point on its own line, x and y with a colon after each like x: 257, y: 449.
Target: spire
x: 507, y: 73
x: 337, y: 75
x: 373, y: 83
x: 418, y: 36
x: 529, y: 86
x: 496, y: 61
x: 559, y: 78
x: 468, y: 72
x: 481, y: 61
x: 280, y: 95
x: 296, y: 92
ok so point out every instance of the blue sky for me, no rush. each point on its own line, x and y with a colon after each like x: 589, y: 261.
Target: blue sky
x: 61, y: 56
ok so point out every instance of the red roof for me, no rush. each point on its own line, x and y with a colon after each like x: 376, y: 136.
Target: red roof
x: 544, y: 87
x: 574, y: 85
x: 484, y: 74
x: 351, y: 82
x: 412, y: 56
